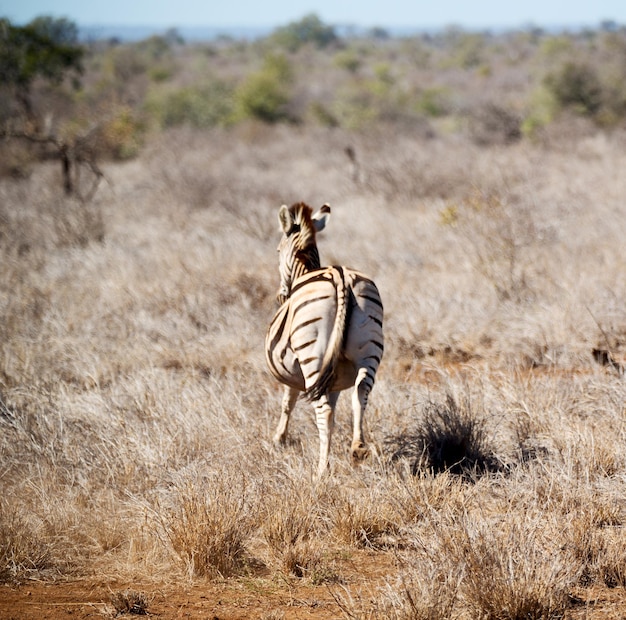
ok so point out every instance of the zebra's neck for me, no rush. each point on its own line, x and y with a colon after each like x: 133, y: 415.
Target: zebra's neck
x: 296, y: 261
x: 306, y: 260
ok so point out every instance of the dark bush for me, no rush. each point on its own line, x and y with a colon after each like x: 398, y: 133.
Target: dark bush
x: 494, y: 124
x: 449, y: 437
x: 576, y: 85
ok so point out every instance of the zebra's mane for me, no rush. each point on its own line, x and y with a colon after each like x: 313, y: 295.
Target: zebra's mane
x: 301, y: 214
x: 303, y: 225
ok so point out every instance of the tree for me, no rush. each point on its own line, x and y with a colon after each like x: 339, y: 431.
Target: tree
x: 309, y: 29
x: 265, y: 94
x: 46, y: 49
x: 578, y: 86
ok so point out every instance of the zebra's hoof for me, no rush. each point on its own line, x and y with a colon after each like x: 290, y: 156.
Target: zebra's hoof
x: 359, y: 453
x: 280, y: 441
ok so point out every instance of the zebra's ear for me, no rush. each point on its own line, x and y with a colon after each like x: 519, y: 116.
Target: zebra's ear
x: 320, y: 219
x: 285, y: 219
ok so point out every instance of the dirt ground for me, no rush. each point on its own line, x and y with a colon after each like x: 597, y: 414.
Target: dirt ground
x: 254, y: 596
x: 247, y: 598
x: 229, y: 601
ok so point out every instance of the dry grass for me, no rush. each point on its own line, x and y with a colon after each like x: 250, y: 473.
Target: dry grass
x: 130, y: 602
x: 136, y: 413
x: 292, y: 533
x: 448, y: 437
x: 207, y: 524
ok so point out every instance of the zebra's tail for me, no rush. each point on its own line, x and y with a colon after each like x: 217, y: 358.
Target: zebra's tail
x: 336, y: 341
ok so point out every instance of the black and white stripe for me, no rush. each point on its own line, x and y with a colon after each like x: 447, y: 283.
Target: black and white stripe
x: 327, y: 335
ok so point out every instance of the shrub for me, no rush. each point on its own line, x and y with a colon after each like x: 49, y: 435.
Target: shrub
x: 427, y: 594
x: 576, y: 85
x: 23, y: 549
x: 130, y: 602
x: 494, y: 124
x: 123, y: 64
x: 382, y: 97
x: 309, y: 29
x: 449, y: 437
x: 510, y: 571
x: 122, y: 135
x: 200, y: 106
x: 349, y: 59
x: 433, y: 102
x: 16, y: 159
x: 365, y: 523
x: 208, y: 525
x: 542, y: 108
x: 288, y: 529
x: 466, y: 49
x: 502, y: 239
x: 264, y: 95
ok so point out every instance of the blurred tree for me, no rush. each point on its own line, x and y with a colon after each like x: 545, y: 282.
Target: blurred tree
x: 265, y: 95
x: 379, y: 33
x: 576, y: 85
x: 309, y: 29
x: 609, y: 25
x: 45, y: 48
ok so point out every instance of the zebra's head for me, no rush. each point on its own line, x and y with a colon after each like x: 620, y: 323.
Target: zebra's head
x: 297, y: 249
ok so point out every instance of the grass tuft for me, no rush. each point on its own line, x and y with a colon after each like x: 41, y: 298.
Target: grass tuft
x: 208, y: 524
x: 449, y: 437
x: 130, y: 602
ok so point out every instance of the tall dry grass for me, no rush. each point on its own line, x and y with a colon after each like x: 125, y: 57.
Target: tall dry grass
x: 137, y: 413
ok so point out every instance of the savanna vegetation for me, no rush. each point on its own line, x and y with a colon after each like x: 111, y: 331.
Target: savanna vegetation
x: 478, y: 178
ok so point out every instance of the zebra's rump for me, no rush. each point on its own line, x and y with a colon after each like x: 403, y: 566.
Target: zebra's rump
x: 329, y: 326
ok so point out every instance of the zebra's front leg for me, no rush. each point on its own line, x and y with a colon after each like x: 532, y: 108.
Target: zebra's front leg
x: 290, y: 397
x: 325, y: 420
x: 363, y: 386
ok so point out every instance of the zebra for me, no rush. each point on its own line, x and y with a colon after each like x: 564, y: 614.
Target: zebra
x: 327, y: 335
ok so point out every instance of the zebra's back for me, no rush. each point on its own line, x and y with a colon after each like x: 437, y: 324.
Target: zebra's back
x: 330, y: 326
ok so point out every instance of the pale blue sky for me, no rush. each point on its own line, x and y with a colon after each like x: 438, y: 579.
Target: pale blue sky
x: 264, y: 13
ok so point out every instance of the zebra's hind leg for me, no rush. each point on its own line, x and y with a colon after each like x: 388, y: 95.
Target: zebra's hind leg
x: 290, y: 397
x: 362, y: 388
x: 325, y: 420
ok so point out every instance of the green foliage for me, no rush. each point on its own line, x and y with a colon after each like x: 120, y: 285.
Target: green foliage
x: 542, y: 108
x: 416, y: 52
x: 155, y: 47
x: 160, y: 73
x: 124, y: 63
x: 45, y: 48
x: 576, y: 85
x: 200, y: 106
x: 264, y: 95
x: 470, y: 50
x: 42, y: 53
x: 323, y: 115
x: 121, y: 137
x: 354, y: 109
x: 348, y: 59
x: 384, y: 76
x: 433, y: 101
x: 467, y: 49
x: 309, y: 29
x: 382, y: 97
x: 379, y: 33
x: 556, y: 47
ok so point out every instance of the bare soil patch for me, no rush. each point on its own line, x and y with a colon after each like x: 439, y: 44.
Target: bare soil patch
x: 237, y: 599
